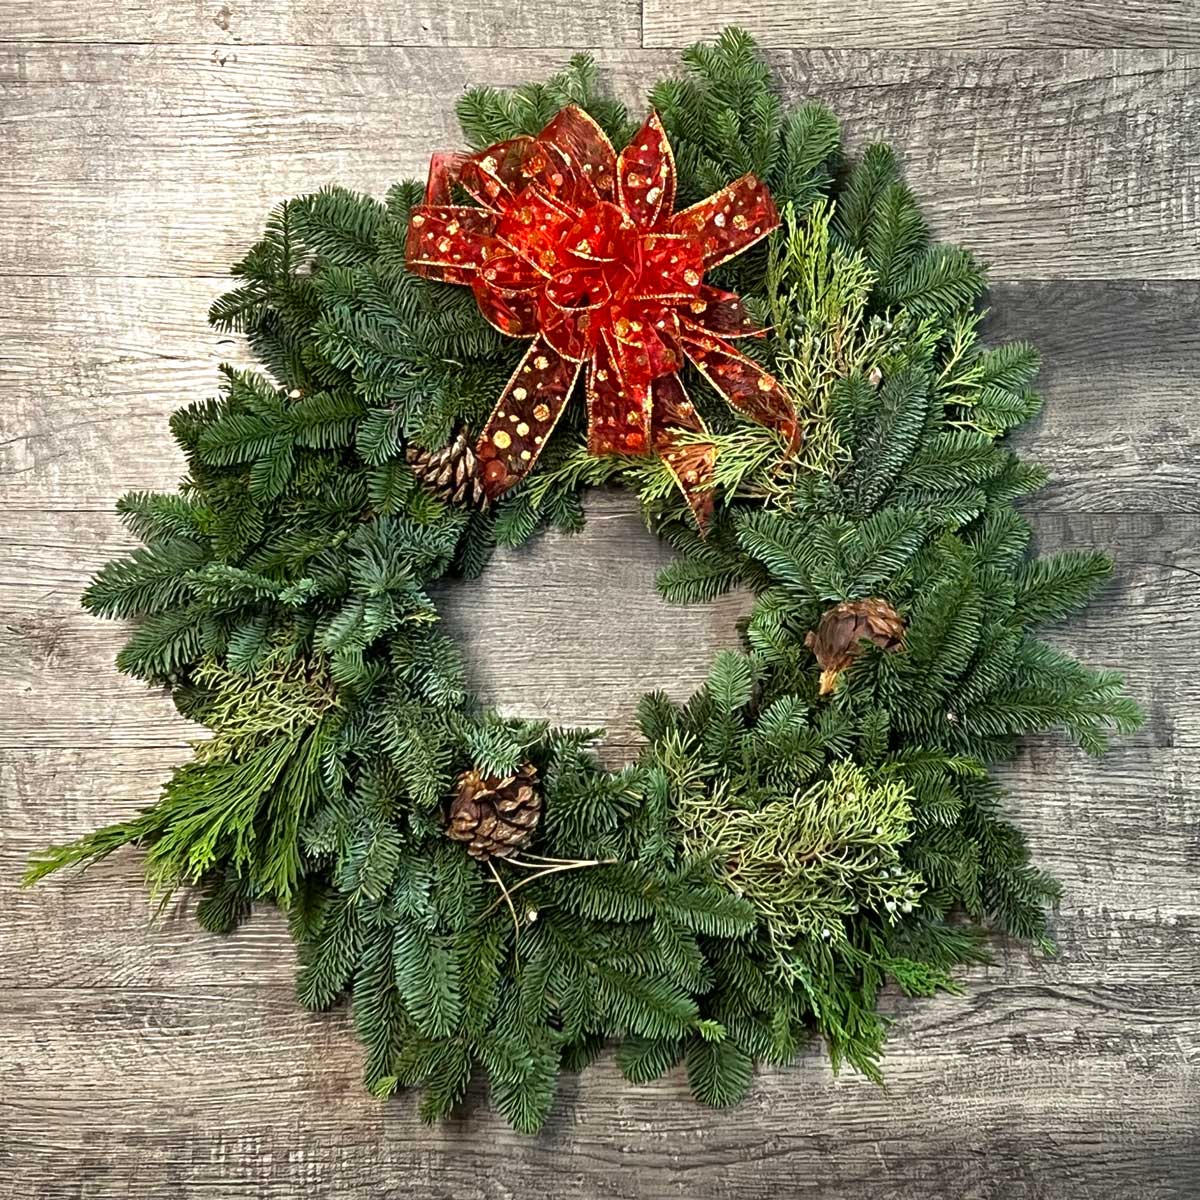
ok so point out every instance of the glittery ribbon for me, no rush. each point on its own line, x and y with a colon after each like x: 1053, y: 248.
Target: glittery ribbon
x: 580, y: 249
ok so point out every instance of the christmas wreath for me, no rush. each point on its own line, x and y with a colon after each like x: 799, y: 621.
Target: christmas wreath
x: 757, y: 338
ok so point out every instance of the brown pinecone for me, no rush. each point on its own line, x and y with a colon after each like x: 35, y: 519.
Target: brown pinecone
x: 451, y: 474
x: 495, y: 814
x: 839, y: 635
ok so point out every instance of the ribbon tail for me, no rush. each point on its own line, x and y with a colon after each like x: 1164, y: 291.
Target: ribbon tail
x: 720, y: 314
x: 618, y: 403
x: 693, y: 463
x: 524, y: 416
x: 627, y: 416
x: 743, y: 384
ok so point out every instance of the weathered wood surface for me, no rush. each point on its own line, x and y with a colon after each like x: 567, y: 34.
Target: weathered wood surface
x: 224, y: 24
x: 997, y: 24
x: 263, y: 1103
x: 1000, y: 24
x: 143, y: 344
x: 142, y: 144
x: 163, y: 160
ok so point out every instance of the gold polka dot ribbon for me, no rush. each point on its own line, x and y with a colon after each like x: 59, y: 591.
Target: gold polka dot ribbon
x: 581, y: 250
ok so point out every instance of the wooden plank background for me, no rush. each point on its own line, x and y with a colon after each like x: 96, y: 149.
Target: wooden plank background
x: 141, y: 143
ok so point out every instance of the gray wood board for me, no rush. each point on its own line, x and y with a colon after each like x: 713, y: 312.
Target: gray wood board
x: 1116, y: 432
x: 222, y: 25
x: 1039, y: 1090
x: 1032, y: 24
x: 603, y: 634
x: 142, y: 145
x: 1038, y: 1047
x: 148, y: 160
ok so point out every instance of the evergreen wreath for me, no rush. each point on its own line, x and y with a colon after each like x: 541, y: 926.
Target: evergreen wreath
x: 816, y: 821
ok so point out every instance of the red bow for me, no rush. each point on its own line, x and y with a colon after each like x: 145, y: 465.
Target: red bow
x: 580, y: 249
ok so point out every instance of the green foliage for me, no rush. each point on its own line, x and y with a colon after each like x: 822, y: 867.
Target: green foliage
x: 242, y: 814
x: 725, y: 119
x: 818, y: 291
x: 719, y: 1072
x: 808, y: 861
x: 489, y: 115
x: 775, y: 856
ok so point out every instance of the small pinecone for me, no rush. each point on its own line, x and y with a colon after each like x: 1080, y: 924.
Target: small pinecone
x: 451, y: 474
x: 495, y: 814
x: 839, y: 635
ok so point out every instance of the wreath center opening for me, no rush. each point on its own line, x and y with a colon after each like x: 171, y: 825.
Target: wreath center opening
x: 572, y: 629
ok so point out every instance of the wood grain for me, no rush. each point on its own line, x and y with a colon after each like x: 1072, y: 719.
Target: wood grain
x: 994, y: 24
x: 57, y: 766
x: 999, y: 24
x: 586, y: 677
x: 148, y: 160
x: 263, y: 1098
x: 94, y: 368
x: 141, y: 145
x: 223, y: 25
x: 1124, y: 920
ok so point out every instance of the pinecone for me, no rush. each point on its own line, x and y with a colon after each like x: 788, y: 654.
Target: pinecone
x: 839, y: 635
x: 451, y: 474
x: 495, y: 814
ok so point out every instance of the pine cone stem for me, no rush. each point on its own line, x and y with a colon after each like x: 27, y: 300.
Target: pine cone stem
x: 548, y: 866
x: 563, y: 865
x: 529, y: 859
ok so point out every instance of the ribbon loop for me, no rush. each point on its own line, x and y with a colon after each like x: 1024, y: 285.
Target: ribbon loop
x: 447, y: 242
x: 646, y: 175
x: 590, y: 158
x: 729, y: 221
